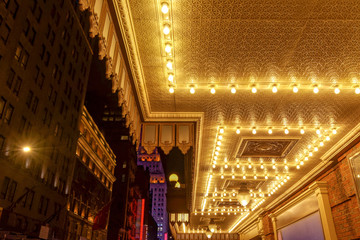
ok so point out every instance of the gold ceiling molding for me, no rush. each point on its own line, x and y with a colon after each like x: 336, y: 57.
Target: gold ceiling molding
x: 167, y: 135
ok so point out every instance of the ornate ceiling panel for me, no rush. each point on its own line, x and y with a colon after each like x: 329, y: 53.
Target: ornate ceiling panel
x: 242, y: 43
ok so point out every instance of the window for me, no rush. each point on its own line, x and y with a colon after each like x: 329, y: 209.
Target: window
x: 4, y: 188
x: 38, y: 14
x: 5, y: 32
x: 37, y: 73
x: 28, y: 200
x: 26, y: 27
x: 35, y: 104
x: 18, y: 52
x: 17, y: 86
x: 47, y: 59
x: 12, y: 190
x: 13, y: 8
x: 24, y: 60
x: 22, y: 125
x: 2, y: 106
x: 10, y: 79
x: 8, y: 114
x: 29, y: 98
x: 41, y: 81
x: 32, y: 36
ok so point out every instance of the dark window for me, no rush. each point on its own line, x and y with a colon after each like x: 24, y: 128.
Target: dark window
x: 10, y: 79
x: 52, y: 38
x: 29, y: 98
x: 41, y: 81
x: 35, y: 104
x: 17, y: 86
x: 4, y: 188
x: 12, y: 190
x: 42, y: 53
x: 5, y: 33
x: 41, y: 204
x: 38, y: 14
x: 54, y: 98
x: 37, y: 72
x: 2, y: 142
x: 22, y: 125
x: 28, y: 200
x: 32, y: 36
x: 2, y: 106
x: 48, y: 31
x: 8, y: 114
x: 28, y: 128
x: 14, y: 7
x: 26, y: 27
x: 47, y: 59
x: 33, y: 5
x: 45, y: 115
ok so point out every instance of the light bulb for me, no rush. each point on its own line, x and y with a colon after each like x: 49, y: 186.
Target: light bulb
x: 164, y: 8
x: 274, y: 89
x: 233, y: 177
x: 171, y: 77
x: 222, y: 176
x: 238, y: 166
x: 302, y: 131
x: 250, y: 166
x: 215, y: 157
x: 334, y: 131
x: 167, y: 48
x: 238, y: 131
x: 316, y: 89
x: 220, y: 137
x: 301, y: 162
x: 318, y: 132
x: 166, y: 29
x: 286, y: 167
x: 218, y: 143
x: 253, y: 89
x: 295, y: 89
x: 217, y: 148
x: 310, y: 154
x: 226, y: 166
x: 216, y: 153
x: 337, y: 90
x: 316, y: 149
x: 169, y: 65
x: 192, y: 90
x: 286, y: 131
x: 270, y: 131
x: 262, y: 166
x: 321, y: 144
x: 357, y: 90
x: 244, y: 177
x: 266, y: 177
x: 327, y: 138
x: 212, y: 90
x: 255, y: 177
x: 171, y: 90
x: 253, y: 131
x: 221, y: 130
x: 233, y: 90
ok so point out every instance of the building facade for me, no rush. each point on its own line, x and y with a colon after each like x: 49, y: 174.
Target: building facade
x: 44, y: 66
x: 158, y: 189
x: 92, y: 182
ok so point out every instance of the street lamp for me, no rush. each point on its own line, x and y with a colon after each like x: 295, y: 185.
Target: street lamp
x: 26, y: 149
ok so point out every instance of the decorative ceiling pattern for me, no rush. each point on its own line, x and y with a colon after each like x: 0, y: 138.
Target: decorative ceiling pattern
x: 226, y: 43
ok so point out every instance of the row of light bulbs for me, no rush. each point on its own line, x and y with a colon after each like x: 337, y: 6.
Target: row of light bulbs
x: 254, y: 89
x: 270, y: 130
x: 168, y: 42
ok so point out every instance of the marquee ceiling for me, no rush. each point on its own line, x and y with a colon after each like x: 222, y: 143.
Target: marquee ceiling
x: 242, y: 44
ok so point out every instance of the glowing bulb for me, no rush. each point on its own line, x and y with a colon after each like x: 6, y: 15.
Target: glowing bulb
x: 297, y: 167
x: 286, y: 131
x: 171, y: 77
x: 238, y: 131
x: 302, y: 131
x: 164, y: 8
x: 233, y: 177
x: 167, y: 48
x: 255, y: 177
x: 301, y: 162
x: 217, y: 148
x: 306, y: 158
x: 222, y: 176
x: 221, y: 130
x: 215, y: 157
x: 254, y: 131
x: 318, y: 132
x: 327, y: 138
x: 266, y: 177
x: 262, y: 166
x: 286, y: 167
x: 316, y: 149
x: 226, y: 166
x: 212, y: 90
x: 310, y: 154
x: 166, y: 29
x: 274, y: 89
x: 321, y: 144
x: 253, y: 89
x: 250, y: 166
x: 233, y: 90
x: 218, y: 143
x: 357, y: 90
x: 316, y: 89
x: 270, y: 131
x: 334, y: 131
x: 169, y: 65
x: 192, y: 90
x: 337, y: 90
x: 238, y: 166
x: 295, y: 89
x: 220, y: 137
x: 26, y: 149
x: 216, y: 153
x: 244, y: 177
x: 171, y: 90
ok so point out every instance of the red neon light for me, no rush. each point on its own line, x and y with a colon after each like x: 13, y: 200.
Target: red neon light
x: 142, y: 218
x: 165, y: 236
